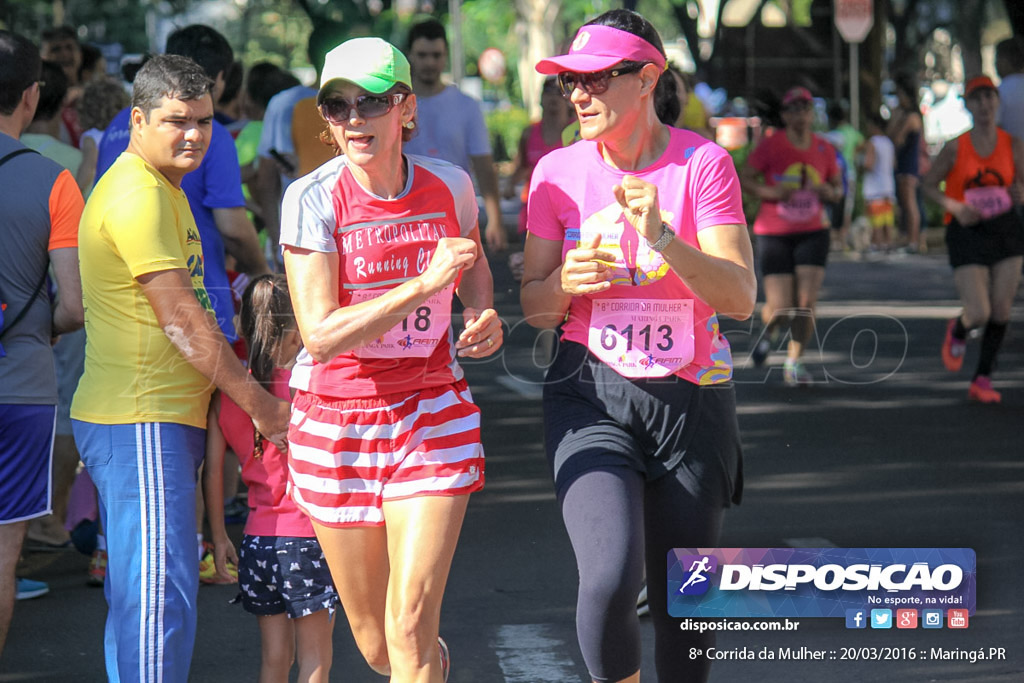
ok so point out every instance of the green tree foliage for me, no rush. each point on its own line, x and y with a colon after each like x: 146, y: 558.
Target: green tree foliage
x: 121, y: 21
x: 272, y: 30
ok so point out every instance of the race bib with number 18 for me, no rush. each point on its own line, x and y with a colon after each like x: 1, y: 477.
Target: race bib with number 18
x: 418, y: 334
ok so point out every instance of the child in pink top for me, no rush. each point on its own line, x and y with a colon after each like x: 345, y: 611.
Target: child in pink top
x: 283, y: 576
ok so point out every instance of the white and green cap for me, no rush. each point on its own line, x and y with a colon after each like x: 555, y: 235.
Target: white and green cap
x: 371, y: 63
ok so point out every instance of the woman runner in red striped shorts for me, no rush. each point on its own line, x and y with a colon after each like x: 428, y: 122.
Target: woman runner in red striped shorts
x: 384, y: 443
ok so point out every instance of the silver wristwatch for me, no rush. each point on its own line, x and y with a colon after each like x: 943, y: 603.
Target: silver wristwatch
x: 667, y: 235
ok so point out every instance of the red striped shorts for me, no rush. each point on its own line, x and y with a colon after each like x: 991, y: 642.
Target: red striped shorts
x: 347, y: 456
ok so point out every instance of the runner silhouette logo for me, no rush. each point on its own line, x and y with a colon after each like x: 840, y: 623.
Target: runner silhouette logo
x: 696, y: 580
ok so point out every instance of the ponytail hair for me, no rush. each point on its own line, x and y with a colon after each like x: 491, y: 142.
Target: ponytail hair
x: 265, y: 317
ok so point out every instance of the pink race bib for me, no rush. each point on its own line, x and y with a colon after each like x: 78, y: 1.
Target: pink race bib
x: 801, y: 207
x: 642, y: 337
x: 989, y: 201
x: 418, y: 334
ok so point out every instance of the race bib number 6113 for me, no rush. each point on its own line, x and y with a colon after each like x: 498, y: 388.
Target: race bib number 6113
x: 642, y: 337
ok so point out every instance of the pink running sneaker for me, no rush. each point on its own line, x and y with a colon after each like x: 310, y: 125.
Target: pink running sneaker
x: 953, y: 349
x: 446, y: 659
x: 981, y: 391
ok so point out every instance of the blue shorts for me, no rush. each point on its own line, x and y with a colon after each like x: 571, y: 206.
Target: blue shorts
x: 26, y: 461
x: 284, y: 574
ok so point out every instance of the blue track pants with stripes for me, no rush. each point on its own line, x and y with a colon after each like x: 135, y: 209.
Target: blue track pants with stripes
x: 146, y: 478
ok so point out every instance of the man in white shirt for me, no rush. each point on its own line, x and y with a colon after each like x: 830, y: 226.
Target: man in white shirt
x: 450, y: 125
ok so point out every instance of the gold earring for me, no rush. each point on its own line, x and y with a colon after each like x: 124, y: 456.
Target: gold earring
x: 409, y: 125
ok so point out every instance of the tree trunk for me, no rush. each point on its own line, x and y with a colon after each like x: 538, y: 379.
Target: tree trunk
x: 904, y: 52
x: 873, y: 55
x: 1015, y: 12
x: 689, y: 28
x: 536, y: 42
x: 968, y: 31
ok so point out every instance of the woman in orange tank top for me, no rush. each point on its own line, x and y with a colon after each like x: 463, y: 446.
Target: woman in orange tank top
x: 985, y: 231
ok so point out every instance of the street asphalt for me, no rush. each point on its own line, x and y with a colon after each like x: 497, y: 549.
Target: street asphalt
x: 883, y: 450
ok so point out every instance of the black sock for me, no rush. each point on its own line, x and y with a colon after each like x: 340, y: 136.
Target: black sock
x: 959, y: 331
x: 990, y: 343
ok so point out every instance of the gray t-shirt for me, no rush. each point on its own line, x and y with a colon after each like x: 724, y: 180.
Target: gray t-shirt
x: 27, y: 374
x: 450, y: 126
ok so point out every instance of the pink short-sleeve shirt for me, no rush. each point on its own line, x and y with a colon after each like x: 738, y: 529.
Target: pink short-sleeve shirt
x: 571, y: 200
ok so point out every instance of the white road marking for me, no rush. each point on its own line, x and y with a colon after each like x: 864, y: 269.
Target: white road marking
x: 528, y: 654
x: 813, y: 542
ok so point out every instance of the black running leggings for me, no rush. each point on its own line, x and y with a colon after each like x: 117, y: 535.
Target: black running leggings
x: 615, y: 520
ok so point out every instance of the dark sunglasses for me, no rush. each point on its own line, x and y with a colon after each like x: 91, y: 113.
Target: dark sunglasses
x: 337, y: 109
x: 597, y: 82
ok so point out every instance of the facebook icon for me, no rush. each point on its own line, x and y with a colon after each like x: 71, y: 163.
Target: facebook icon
x: 856, y: 618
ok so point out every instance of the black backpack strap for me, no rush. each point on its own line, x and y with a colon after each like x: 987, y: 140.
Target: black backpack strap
x: 17, y: 152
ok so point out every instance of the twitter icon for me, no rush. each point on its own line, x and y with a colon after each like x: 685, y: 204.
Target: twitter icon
x: 881, y: 618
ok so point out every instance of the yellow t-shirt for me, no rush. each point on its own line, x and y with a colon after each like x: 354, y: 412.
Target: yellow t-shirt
x: 571, y: 133
x: 693, y: 116
x: 134, y: 223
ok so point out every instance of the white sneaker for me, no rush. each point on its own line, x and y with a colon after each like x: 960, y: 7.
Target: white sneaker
x: 795, y: 374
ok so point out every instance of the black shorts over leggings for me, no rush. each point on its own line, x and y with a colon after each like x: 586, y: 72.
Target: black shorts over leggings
x: 640, y: 467
x: 781, y: 254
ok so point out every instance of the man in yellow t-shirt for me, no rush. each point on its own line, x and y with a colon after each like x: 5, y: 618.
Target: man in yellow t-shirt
x: 154, y: 355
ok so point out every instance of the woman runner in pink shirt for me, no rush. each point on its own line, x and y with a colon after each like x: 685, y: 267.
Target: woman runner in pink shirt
x: 636, y: 239
x: 795, y: 174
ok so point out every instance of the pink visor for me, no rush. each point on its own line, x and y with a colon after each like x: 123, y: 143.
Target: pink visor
x: 797, y: 94
x: 597, y: 48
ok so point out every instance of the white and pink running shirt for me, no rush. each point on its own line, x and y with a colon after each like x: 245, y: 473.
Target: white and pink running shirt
x: 382, y: 243
x: 648, y: 324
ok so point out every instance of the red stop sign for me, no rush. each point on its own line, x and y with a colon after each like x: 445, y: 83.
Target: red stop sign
x: 854, y: 19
